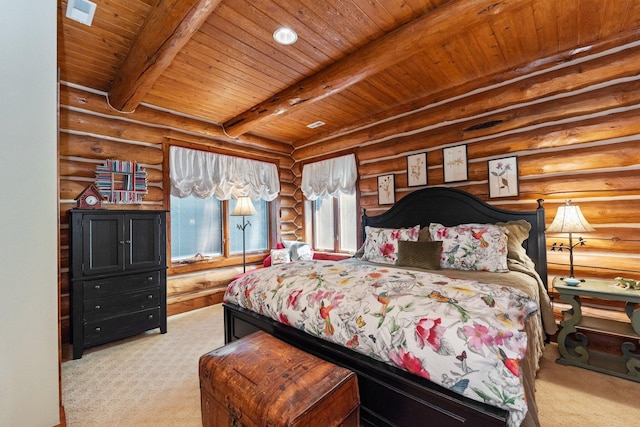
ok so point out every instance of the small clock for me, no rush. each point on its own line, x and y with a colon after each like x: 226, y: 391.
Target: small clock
x: 90, y: 198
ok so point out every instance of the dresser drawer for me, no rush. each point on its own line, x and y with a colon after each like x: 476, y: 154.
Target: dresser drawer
x: 115, y: 285
x: 103, y: 308
x: 102, y: 331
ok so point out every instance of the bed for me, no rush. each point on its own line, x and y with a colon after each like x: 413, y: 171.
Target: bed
x: 392, y: 393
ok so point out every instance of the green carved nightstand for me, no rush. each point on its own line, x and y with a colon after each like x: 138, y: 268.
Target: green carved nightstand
x: 572, y: 343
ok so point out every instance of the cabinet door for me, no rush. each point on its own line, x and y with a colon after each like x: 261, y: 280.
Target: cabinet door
x: 144, y: 236
x: 103, y: 244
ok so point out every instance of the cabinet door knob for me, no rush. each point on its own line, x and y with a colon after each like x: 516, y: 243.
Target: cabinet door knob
x: 98, y: 307
x: 98, y: 329
x: 96, y: 287
x: 150, y: 296
x: 150, y: 317
x: 150, y: 279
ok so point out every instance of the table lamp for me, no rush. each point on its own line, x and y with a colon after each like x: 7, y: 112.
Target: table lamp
x: 243, y: 208
x: 569, y: 219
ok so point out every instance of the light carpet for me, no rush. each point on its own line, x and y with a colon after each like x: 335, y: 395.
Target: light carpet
x: 152, y: 380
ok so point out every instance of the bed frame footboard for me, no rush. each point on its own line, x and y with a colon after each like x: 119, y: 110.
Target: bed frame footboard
x: 389, y: 396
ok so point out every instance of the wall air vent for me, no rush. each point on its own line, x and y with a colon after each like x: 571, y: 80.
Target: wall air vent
x: 315, y: 124
x: 484, y: 125
x: 81, y: 11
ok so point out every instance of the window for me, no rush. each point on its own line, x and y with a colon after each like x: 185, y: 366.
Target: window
x: 197, y: 228
x: 330, y: 188
x: 204, y: 188
x: 334, y: 223
x: 256, y: 234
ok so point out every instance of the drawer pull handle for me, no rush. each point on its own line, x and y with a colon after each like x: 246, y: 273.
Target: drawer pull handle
x: 150, y: 317
x: 149, y: 296
x: 150, y: 279
x: 98, y: 329
x: 96, y: 287
x: 98, y: 307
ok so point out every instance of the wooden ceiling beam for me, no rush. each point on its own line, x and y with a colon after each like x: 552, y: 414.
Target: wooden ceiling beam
x: 167, y: 28
x: 428, y: 30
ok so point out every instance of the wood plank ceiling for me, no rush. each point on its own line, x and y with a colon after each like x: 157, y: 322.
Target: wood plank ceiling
x: 355, y: 61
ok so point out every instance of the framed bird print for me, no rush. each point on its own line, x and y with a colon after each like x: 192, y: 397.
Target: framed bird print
x: 503, y: 177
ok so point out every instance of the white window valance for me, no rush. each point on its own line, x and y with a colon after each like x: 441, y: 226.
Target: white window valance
x: 329, y: 178
x: 206, y: 174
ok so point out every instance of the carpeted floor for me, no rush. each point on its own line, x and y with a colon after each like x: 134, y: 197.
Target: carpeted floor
x: 152, y: 380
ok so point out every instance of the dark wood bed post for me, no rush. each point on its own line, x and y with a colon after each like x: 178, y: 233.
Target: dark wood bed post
x: 542, y: 242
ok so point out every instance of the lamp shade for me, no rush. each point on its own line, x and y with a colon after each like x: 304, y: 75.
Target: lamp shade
x: 244, y: 207
x: 569, y: 219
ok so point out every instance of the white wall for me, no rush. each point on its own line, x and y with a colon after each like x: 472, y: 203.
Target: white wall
x: 28, y: 215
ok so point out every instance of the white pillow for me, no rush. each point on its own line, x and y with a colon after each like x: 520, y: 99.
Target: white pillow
x: 472, y: 246
x: 301, y: 252
x: 381, y: 244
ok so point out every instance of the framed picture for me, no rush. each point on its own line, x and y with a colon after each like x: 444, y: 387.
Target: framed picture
x: 454, y: 163
x: 417, y: 169
x: 386, y: 189
x: 503, y: 177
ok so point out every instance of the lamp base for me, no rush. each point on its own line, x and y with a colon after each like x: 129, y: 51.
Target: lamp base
x: 571, y: 281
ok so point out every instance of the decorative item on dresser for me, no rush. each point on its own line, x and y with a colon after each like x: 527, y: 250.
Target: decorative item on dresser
x: 569, y: 219
x: 118, y: 275
x: 90, y: 198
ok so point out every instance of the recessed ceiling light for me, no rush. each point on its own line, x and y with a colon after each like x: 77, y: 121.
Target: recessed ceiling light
x: 315, y: 124
x: 285, y: 36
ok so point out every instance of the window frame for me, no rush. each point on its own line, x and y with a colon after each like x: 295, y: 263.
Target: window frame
x: 310, y: 222
x: 226, y: 259
x: 336, y: 226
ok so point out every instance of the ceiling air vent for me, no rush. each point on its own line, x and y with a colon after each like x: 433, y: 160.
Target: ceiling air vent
x: 81, y: 11
x: 315, y: 124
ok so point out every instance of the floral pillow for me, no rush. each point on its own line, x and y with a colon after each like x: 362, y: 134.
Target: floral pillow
x: 472, y: 246
x: 280, y: 256
x: 381, y: 244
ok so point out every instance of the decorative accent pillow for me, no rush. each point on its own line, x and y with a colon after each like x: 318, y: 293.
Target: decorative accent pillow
x: 518, y: 233
x: 381, y: 244
x: 301, y: 251
x: 280, y: 256
x: 422, y: 254
x: 472, y: 246
x: 424, y: 235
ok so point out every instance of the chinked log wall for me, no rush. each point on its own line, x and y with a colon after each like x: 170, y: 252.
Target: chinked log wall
x: 91, y: 132
x: 574, y: 127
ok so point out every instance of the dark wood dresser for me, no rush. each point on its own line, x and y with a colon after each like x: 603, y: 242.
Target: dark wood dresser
x: 118, y: 275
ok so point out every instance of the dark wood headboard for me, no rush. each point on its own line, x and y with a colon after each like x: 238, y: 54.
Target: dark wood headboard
x: 449, y: 206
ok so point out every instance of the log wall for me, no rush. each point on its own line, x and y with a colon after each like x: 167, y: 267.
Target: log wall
x: 574, y: 125
x: 92, y: 132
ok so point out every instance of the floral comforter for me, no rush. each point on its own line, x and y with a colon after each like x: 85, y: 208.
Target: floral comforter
x: 462, y: 334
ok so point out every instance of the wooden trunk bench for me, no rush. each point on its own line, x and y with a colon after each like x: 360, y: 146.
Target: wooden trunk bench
x: 262, y: 381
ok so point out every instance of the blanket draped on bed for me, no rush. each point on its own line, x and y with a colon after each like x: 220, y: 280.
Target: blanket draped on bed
x: 464, y: 335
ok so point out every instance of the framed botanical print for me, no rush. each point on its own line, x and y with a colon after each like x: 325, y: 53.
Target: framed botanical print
x: 386, y: 189
x: 503, y: 177
x: 454, y: 163
x: 417, y: 169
